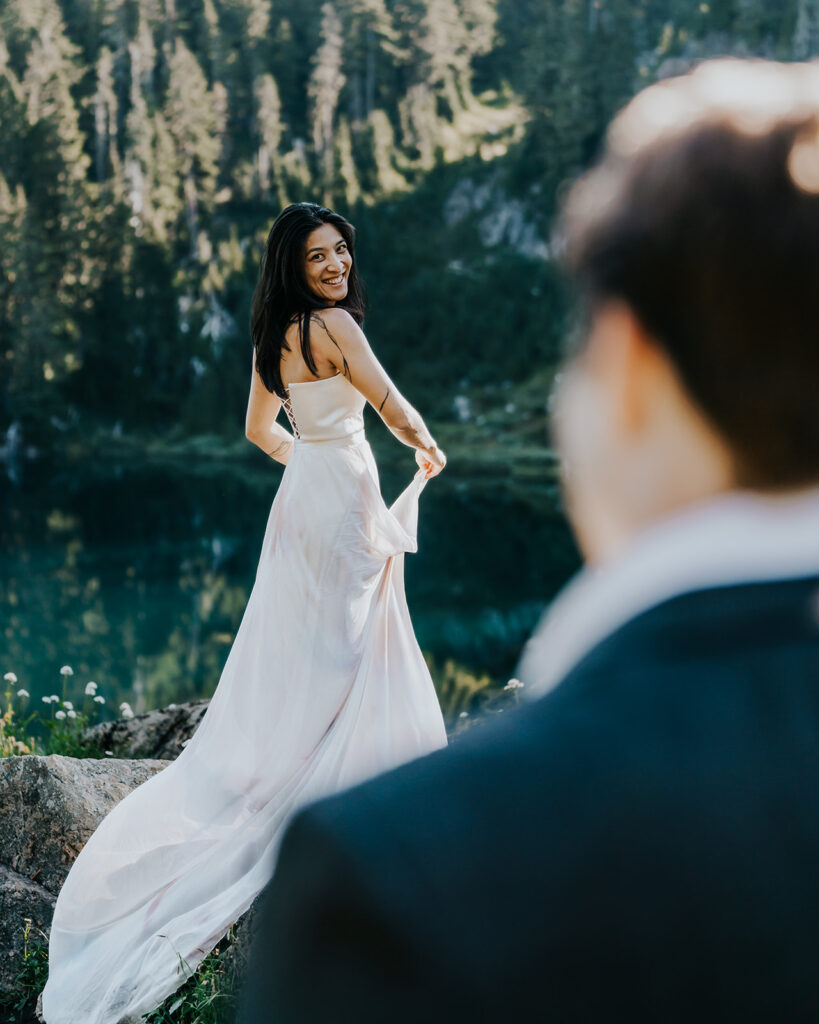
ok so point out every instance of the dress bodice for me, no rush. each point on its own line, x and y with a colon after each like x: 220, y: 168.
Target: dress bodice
x: 325, y: 409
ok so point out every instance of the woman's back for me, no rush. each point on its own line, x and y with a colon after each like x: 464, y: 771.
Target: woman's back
x: 294, y: 368
x: 324, y: 409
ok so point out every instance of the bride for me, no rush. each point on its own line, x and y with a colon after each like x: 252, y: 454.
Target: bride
x: 324, y: 685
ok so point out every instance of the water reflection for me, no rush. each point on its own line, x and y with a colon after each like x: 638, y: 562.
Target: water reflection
x: 138, y: 575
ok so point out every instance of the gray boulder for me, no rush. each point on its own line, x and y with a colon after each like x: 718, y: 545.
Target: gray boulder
x: 161, y: 733
x: 49, y: 806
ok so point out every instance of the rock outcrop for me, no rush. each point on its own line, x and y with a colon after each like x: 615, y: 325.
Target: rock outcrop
x: 49, y: 806
x: 161, y: 733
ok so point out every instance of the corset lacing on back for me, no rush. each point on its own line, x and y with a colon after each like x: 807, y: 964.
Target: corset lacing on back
x: 288, y: 408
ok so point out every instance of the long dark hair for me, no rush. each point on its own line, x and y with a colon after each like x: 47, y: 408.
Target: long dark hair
x: 282, y: 292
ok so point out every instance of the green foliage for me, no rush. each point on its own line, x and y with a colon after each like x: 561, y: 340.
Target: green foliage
x: 208, y: 996
x: 61, y: 731
x: 146, y: 150
x: 19, y: 1004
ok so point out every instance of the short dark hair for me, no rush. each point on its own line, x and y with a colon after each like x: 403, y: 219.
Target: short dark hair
x: 703, y: 216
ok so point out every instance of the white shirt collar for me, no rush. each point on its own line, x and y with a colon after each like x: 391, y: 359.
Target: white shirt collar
x: 735, y: 537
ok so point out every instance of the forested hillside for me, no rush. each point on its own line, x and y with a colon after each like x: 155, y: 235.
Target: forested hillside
x: 147, y: 145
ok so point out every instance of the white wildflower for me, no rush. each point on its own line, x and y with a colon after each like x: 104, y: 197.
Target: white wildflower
x: 22, y: 693
x: 66, y: 670
x: 99, y: 700
x: 109, y: 753
x: 68, y: 704
x: 463, y: 714
x: 60, y: 714
x: 514, y: 684
x: 125, y: 710
x: 54, y: 698
x: 90, y: 688
x: 171, y: 706
x: 10, y: 677
x: 46, y: 700
x: 72, y: 713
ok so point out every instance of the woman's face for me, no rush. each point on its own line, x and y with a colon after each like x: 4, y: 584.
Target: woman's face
x: 327, y: 262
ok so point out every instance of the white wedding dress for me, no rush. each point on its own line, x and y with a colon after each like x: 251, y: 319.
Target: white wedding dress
x: 324, y: 686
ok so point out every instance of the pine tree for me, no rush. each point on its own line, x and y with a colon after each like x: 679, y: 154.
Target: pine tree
x: 269, y: 129
x: 139, y: 160
x: 128, y: 123
x: 196, y: 122
x: 346, y: 162
x: 370, y: 50
x: 560, y: 82
x: 106, y: 124
x: 326, y: 81
x: 12, y: 282
x: 53, y: 213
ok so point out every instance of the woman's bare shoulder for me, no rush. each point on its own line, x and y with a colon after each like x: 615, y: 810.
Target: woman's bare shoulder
x: 335, y: 318
x: 338, y: 332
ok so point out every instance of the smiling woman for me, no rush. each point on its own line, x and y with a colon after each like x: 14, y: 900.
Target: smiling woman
x: 308, y: 277
x: 307, y: 266
x: 325, y: 684
x: 328, y: 262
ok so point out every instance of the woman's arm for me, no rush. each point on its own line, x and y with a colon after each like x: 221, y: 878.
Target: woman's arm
x: 260, y: 421
x: 345, y: 345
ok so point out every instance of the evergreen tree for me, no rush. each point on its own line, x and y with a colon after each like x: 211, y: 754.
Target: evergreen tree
x: 146, y: 144
x: 106, y: 124
x: 326, y: 80
x: 269, y: 132
x: 561, y: 88
x: 55, y: 259
x: 195, y: 119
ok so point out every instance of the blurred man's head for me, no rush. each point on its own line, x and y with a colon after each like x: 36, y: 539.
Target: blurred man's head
x: 695, y: 249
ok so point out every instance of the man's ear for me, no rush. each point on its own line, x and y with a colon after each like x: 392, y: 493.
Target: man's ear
x: 628, y: 364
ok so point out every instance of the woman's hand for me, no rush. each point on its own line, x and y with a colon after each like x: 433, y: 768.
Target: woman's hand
x: 431, y: 460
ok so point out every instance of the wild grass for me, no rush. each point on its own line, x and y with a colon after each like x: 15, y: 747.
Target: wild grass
x: 61, y: 726
x: 19, y: 1005
x: 465, y: 698
x: 61, y: 729
x: 208, y: 996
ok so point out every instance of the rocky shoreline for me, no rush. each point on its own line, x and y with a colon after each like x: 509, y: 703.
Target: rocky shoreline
x: 160, y: 734
x: 49, y: 806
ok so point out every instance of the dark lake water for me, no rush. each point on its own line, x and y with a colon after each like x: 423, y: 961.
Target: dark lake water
x: 137, y: 574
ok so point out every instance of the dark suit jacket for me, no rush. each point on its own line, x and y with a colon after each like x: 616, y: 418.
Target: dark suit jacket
x: 642, y: 844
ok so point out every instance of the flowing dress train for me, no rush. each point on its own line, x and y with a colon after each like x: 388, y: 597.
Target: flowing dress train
x: 324, y: 686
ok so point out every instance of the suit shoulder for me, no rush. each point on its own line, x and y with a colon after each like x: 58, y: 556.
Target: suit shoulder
x: 478, y: 786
